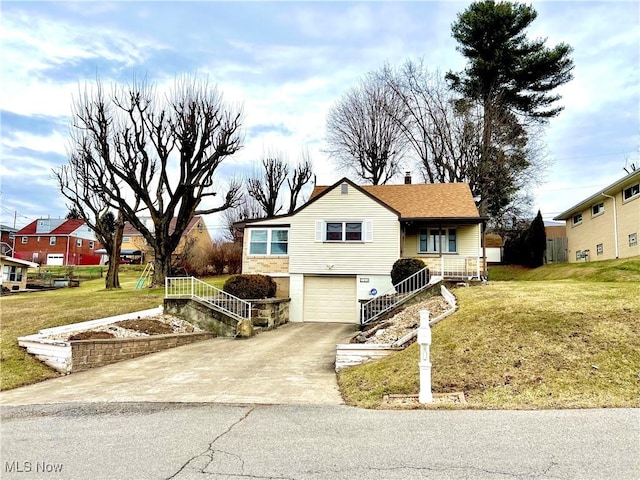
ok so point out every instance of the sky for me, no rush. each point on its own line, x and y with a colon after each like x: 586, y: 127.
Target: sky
x: 286, y: 64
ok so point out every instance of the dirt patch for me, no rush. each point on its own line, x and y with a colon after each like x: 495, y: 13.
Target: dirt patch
x: 139, y: 327
x: 148, y: 326
x: 91, y: 336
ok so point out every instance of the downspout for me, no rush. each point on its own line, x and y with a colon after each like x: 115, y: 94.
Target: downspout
x: 67, y: 254
x: 615, y: 222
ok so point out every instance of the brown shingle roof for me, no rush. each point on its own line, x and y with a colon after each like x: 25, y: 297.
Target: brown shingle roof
x: 431, y: 200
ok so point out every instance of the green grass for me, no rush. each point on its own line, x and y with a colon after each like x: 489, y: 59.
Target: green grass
x: 626, y: 270
x: 27, y: 313
x: 565, y: 341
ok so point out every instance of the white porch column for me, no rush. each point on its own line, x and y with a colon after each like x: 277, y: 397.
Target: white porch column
x: 424, y: 340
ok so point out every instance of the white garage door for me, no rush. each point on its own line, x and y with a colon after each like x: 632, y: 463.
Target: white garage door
x: 330, y: 299
x: 55, y: 259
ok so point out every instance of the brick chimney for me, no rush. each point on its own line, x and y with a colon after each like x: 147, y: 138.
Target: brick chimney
x: 407, y: 178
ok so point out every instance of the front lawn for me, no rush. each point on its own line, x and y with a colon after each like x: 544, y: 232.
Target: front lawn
x: 27, y: 313
x: 526, y: 344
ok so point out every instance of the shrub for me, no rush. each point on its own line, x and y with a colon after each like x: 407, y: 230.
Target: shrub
x: 233, y: 257
x: 404, y: 268
x: 250, y: 286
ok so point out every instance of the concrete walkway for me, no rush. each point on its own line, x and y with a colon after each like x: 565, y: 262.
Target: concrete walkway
x: 290, y: 365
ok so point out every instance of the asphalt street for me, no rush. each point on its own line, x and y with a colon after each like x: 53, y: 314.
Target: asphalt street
x: 216, y: 441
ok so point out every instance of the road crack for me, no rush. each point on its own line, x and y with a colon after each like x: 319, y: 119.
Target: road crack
x: 212, y: 455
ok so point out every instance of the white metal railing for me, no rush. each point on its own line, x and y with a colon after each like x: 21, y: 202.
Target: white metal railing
x: 397, y: 294
x: 191, y: 287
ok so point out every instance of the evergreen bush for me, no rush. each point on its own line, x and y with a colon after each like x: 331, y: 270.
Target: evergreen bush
x: 249, y: 287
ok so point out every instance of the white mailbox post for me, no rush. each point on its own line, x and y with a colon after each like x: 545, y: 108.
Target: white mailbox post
x: 424, y: 340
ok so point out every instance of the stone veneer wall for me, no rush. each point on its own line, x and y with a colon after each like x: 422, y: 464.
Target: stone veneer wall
x: 270, y: 313
x: 88, y: 354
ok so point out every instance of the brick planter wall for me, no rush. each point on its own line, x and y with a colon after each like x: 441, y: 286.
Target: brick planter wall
x: 86, y: 354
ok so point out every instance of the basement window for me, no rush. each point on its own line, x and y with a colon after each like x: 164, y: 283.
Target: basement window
x: 599, y: 249
x: 633, y: 239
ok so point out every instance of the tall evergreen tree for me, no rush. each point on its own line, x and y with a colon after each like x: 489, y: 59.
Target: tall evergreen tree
x: 536, y: 242
x: 511, y: 78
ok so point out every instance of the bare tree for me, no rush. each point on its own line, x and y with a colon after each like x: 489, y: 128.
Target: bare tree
x: 266, y: 186
x: 301, y: 176
x: 81, y: 182
x: 158, y: 154
x: 248, y: 208
x: 364, y: 131
x: 445, y: 133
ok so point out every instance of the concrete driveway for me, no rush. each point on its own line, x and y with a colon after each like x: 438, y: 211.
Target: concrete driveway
x: 290, y: 365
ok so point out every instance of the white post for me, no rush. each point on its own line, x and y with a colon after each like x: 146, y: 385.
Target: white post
x: 424, y: 340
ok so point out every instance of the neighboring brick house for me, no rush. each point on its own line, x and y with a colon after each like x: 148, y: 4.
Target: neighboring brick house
x: 338, y: 248
x: 605, y: 225
x: 49, y: 241
x: 196, y: 237
x: 7, y: 235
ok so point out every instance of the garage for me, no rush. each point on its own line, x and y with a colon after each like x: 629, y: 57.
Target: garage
x: 330, y: 299
x: 55, y: 259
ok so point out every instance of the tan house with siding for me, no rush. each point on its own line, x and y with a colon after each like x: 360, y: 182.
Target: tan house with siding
x: 338, y: 249
x: 14, y: 273
x: 605, y: 225
x: 195, y: 238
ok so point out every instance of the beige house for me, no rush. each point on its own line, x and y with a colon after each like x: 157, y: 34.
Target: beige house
x: 605, y: 225
x: 338, y: 249
x: 195, y: 238
x: 14, y: 273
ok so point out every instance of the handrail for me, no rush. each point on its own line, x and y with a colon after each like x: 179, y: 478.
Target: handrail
x: 393, y: 297
x: 191, y: 287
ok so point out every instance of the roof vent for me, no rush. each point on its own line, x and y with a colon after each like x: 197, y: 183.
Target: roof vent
x: 344, y: 188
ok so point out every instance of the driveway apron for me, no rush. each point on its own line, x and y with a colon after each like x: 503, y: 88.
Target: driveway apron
x: 291, y: 365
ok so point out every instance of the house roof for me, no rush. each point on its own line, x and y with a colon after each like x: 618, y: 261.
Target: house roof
x: 6, y: 228
x: 59, y: 227
x: 17, y: 261
x: 420, y: 200
x: 612, y: 189
x: 130, y: 230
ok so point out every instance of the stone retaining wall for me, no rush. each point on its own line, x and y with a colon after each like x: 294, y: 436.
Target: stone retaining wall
x: 86, y: 354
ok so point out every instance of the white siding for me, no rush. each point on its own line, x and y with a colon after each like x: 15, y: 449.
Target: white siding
x: 308, y: 256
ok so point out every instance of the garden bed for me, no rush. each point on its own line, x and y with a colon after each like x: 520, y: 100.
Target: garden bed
x: 84, y: 345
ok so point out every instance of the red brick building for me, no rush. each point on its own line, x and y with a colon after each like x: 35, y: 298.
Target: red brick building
x: 51, y: 241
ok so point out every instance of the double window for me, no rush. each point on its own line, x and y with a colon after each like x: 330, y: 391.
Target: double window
x: 11, y: 273
x: 356, y: 231
x: 343, y: 232
x: 269, y: 241
x: 439, y: 240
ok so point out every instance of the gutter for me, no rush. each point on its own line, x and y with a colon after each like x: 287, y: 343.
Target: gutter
x: 615, y: 222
